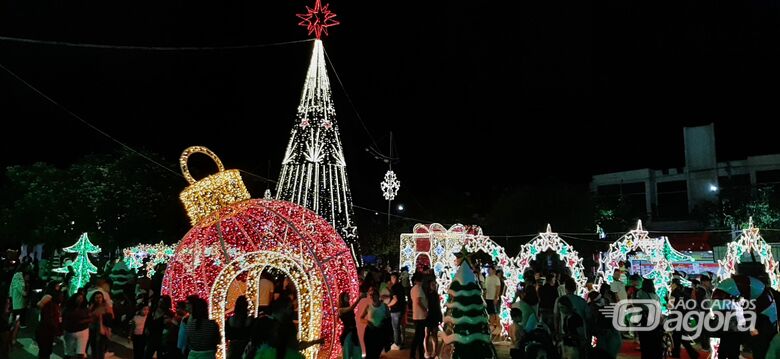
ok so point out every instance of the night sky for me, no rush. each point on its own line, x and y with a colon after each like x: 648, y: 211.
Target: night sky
x: 479, y: 94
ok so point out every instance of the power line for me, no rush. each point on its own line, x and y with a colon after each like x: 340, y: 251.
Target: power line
x: 349, y: 99
x: 72, y: 114
x: 145, y: 48
x: 85, y: 122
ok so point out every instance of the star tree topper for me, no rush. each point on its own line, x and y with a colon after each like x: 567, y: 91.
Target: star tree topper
x: 318, y: 19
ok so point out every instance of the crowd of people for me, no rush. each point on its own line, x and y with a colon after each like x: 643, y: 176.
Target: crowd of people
x: 548, y: 316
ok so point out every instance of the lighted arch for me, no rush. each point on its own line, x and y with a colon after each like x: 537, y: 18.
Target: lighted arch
x: 749, y: 241
x: 551, y: 240
x: 512, y: 276
x: 444, y: 243
x: 657, y: 250
x: 307, y: 281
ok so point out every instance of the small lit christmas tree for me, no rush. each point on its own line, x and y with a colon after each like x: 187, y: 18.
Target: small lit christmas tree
x: 82, y: 267
x: 467, y: 313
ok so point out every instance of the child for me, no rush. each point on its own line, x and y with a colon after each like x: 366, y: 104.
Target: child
x: 139, y: 341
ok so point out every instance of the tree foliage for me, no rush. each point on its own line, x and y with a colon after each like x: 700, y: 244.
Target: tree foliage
x: 736, y: 205
x: 118, y: 199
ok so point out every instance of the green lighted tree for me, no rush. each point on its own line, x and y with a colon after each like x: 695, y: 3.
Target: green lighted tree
x: 82, y: 267
x: 468, y: 316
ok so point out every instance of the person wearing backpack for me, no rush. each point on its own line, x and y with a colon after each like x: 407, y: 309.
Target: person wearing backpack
x: 573, y: 341
x: 607, y: 337
x: 571, y: 315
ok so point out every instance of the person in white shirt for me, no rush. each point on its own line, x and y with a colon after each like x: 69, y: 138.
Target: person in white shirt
x: 617, y: 286
x: 419, y: 315
x: 493, y: 298
x: 138, y: 337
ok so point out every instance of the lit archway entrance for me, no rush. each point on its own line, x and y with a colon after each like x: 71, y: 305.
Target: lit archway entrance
x: 656, y: 250
x: 550, y: 240
x: 307, y: 281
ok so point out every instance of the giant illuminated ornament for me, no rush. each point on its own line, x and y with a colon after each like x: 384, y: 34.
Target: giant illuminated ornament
x: 550, y: 240
x: 439, y: 245
x: 235, y: 238
x: 314, y: 169
x: 655, y: 250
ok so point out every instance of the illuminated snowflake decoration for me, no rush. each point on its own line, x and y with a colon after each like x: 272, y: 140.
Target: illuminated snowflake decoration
x: 390, y: 185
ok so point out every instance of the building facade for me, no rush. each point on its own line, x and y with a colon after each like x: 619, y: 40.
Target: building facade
x: 666, y: 197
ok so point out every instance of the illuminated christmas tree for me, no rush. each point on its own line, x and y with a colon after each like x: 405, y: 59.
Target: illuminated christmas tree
x: 467, y: 314
x: 314, y: 169
x: 82, y: 267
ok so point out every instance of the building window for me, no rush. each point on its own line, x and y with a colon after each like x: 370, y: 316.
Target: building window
x: 672, y: 200
x: 631, y: 194
x: 768, y: 177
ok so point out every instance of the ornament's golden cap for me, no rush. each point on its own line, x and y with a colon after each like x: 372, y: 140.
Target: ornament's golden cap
x: 204, y: 197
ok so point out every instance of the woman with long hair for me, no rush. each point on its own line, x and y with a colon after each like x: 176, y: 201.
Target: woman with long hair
x: 75, y: 324
x: 99, y: 330
x: 237, y: 328
x: 203, y: 335
x: 350, y: 344
x: 49, y: 327
x: 431, y: 341
x: 375, y: 315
